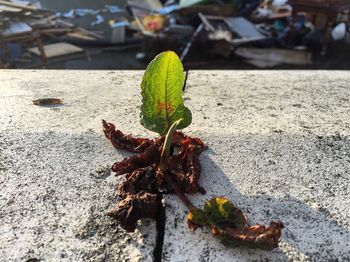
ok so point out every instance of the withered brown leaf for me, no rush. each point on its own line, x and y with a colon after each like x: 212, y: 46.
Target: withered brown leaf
x: 135, y: 207
x: 142, y: 179
x: 47, y: 101
x: 125, y: 142
x: 145, y: 159
x: 257, y: 236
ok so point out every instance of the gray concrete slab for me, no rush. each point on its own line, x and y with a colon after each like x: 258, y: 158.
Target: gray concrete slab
x: 279, y: 148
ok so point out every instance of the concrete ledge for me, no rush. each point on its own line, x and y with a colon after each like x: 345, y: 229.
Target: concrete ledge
x: 279, y: 148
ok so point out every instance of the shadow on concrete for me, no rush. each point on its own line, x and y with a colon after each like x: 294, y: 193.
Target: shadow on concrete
x: 312, y: 231
x: 309, y: 233
x: 56, y: 188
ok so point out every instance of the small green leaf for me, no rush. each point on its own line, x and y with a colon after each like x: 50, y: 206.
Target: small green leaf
x: 197, y: 217
x: 162, y: 102
x: 222, y: 212
x: 229, y: 224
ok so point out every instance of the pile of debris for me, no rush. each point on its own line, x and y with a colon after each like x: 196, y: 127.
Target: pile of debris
x: 265, y: 33
x: 26, y: 27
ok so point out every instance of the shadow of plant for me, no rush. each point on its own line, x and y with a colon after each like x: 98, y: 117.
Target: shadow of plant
x: 272, y: 177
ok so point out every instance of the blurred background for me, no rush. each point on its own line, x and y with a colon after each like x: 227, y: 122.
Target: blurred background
x: 206, y: 34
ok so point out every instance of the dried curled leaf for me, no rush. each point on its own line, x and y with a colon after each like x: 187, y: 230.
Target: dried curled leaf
x: 257, y: 236
x: 185, y: 167
x: 228, y: 223
x: 130, y: 164
x: 135, y: 207
x: 143, y: 179
x: 47, y: 101
x: 126, y: 142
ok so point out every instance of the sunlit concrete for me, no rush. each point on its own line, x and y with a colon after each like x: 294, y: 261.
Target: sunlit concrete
x: 279, y: 148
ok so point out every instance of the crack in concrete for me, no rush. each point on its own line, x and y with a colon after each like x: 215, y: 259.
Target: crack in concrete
x: 160, y: 226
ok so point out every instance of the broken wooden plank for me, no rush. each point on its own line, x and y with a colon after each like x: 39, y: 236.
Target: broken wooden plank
x: 282, y: 56
x: 245, y: 40
x: 65, y: 23
x: 263, y: 63
x: 55, y: 30
x: 243, y: 27
x: 58, y: 49
x: 24, y: 7
x: 205, y: 21
x: 21, y: 2
x: 4, y: 8
x: 80, y: 35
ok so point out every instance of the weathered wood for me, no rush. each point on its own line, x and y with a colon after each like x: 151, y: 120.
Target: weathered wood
x: 59, y: 49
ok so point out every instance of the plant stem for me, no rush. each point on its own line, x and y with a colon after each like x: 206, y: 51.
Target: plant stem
x: 178, y: 192
x: 164, y: 156
x: 163, y: 165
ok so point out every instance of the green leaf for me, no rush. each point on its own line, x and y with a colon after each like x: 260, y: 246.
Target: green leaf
x: 229, y: 224
x: 162, y: 102
x: 196, y: 217
x: 222, y: 212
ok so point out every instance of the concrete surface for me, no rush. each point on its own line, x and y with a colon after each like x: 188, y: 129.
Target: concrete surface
x: 279, y: 147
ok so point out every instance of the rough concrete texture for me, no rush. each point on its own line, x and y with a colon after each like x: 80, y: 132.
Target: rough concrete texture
x: 279, y: 148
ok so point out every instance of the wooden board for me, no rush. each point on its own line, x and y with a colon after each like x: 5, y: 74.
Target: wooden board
x: 5, y: 8
x: 282, y: 56
x: 24, y: 7
x: 82, y: 36
x: 58, y: 49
